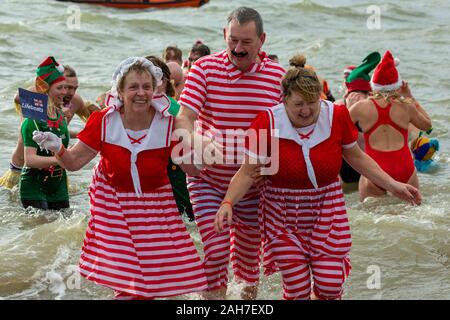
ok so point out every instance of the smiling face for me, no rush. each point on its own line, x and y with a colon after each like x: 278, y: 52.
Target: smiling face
x: 243, y: 43
x: 57, y: 92
x: 136, y: 91
x: 302, y: 113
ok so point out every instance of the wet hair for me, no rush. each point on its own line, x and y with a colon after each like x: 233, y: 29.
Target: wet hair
x: 201, y: 49
x: 172, y: 53
x: 170, y: 90
x: 244, y: 15
x: 391, y: 96
x: 139, y: 68
x: 69, y: 71
x: 301, y: 80
x: 272, y: 57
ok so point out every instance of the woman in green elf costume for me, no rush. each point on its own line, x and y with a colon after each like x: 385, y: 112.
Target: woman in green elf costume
x: 43, y: 183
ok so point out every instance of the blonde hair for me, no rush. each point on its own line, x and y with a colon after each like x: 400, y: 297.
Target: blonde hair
x: 301, y: 80
x: 391, y: 97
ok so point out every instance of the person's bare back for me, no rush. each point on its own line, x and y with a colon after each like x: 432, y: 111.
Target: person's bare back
x: 385, y: 120
x: 385, y: 137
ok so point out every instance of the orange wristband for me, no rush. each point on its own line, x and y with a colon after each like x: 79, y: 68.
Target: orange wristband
x: 226, y: 202
x: 61, y: 152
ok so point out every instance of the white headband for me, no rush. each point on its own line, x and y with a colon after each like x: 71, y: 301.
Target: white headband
x: 126, y: 64
x: 160, y: 102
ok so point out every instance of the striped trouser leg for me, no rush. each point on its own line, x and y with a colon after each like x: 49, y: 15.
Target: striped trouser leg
x: 244, y: 236
x: 216, y: 246
x: 246, y: 240
x: 285, y: 254
x: 296, y: 280
x: 329, y: 275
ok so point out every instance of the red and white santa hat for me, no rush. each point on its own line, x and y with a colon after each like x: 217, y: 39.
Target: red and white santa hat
x: 386, y: 77
x: 348, y: 70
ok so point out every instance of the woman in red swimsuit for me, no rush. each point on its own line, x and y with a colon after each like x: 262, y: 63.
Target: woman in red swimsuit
x: 384, y: 120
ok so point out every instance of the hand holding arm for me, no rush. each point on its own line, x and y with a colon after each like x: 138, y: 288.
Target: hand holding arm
x: 204, y: 148
x: 257, y: 176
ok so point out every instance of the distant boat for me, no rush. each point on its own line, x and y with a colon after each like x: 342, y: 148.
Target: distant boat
x: 143, y: 4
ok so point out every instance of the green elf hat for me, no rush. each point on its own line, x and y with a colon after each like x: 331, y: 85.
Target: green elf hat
x: 48, y: 72
x: 359, y: 79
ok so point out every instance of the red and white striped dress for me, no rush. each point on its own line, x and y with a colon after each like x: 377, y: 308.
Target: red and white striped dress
x: 303, y: 216
x: 225, y: 99
x: 136, y: 243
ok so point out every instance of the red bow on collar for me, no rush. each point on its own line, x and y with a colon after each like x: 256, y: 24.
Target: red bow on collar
x: 54, y: 124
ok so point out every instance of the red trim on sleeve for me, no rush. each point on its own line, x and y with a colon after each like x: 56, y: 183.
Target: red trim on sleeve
x: 91, y: 135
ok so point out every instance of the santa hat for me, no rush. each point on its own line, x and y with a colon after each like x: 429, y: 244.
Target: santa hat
x: 347, y: 70
x: 359, y: 79
x: 386, y: 76
x: 48, y: 72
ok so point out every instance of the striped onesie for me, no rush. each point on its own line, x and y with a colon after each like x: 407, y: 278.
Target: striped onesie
x: 227, y: 99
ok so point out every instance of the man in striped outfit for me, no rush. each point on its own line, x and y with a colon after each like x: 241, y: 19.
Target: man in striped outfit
x: 224, y: 92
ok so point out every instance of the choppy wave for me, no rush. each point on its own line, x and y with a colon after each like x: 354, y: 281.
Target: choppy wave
x: 409, y: 245
x: 13, y: 28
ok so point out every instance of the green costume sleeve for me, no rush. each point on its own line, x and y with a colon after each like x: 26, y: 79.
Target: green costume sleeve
x: 28, y: 127
x: 174, y: 107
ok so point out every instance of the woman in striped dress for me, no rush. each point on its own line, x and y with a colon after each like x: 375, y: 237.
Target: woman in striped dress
x: 136, y: 243
x: 302, y: 213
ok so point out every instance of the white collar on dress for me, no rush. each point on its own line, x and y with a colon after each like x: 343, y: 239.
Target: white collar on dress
x: 286, y: 130
x: 158, y: 134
